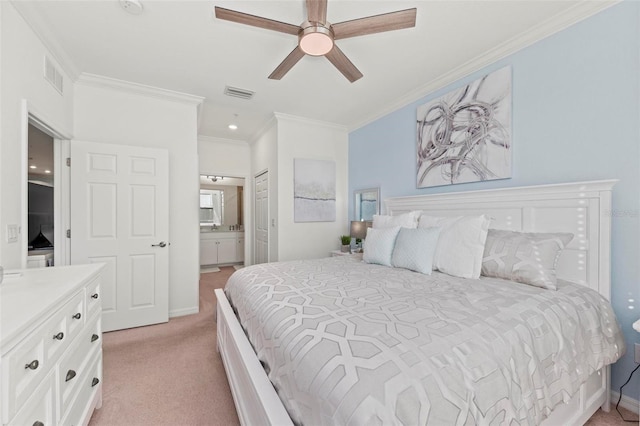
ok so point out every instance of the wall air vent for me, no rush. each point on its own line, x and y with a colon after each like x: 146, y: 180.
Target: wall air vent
x: 238, y: 93
x: 53, y: 75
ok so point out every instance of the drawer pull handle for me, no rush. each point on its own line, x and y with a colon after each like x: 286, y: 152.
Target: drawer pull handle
x: 70, y: 375
x: 38, y: 423
x: 59, y: 336
x: 94, y: 337
x: 95, y: 381
x: 77, y: 316
x: 32, y: 365
x: 94, y: 296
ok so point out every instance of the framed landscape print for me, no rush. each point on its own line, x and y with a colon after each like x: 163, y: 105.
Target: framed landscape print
x: 314, y: 193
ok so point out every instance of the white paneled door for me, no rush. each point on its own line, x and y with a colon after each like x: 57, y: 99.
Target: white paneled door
x: 262, y: 218
x: 120, y: 216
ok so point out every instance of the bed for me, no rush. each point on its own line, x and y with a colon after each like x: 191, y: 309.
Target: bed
x: 438, y: 362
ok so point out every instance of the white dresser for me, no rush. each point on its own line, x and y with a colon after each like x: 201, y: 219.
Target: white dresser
x: 51, y: 346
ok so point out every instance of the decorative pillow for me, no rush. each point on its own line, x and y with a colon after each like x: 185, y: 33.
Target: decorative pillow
x: 528, y: 258
x: 379, y: 244
x: 461, y: 243
x: 415, y: 248
x: 406, y: 220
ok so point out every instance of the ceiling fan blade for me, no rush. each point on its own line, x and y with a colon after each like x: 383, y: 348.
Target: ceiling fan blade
x: 288, y: 63
x: 317, y: 11
x: 375, y: 24
x: 255, y: 21
x: 344, y: 65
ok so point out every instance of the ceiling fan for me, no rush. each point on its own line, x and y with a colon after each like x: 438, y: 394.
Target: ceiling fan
x: 316, y: 36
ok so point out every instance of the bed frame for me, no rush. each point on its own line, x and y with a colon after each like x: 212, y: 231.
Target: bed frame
x: 583, y: 208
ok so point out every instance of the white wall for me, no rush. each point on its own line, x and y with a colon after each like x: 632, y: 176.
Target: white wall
x: 301, y: 138
x: 226, y: 157
x: 119, y: 116
x: 21, y: 77
x: 264, y: 150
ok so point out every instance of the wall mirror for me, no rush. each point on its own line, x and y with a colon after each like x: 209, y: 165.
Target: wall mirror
x: 221, y: 202
x: 367, y: 203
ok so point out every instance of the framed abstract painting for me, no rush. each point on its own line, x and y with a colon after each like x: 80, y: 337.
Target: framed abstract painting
x: 465, y: 135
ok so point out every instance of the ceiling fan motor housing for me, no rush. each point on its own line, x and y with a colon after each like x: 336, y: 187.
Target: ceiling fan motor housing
x: 315, y: 39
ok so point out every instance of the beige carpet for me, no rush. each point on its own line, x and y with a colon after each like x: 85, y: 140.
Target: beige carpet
x: 171, y: 374
x: 168, y: 374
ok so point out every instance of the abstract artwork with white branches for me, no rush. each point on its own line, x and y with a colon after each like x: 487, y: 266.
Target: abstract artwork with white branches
x: 465, y: 135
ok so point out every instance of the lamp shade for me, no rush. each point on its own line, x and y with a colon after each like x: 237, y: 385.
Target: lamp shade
x: 359, y: 229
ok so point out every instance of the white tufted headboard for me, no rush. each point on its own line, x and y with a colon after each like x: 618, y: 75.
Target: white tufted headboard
x: 582, y: 208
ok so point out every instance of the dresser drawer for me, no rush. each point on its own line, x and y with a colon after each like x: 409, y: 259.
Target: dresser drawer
x: 85, y: 398
x: 75, y: 363
x: 39, y: 407
x: 23, y: 368
x: 62, y: 328
x: 93, y: 297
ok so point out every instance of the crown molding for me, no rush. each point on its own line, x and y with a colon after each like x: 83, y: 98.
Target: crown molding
x: 553, y: 25
x: 310, y: 121
x: 215, y: 139
x: 262, y: 129
x: 34, y: 19
x: 93, y: 80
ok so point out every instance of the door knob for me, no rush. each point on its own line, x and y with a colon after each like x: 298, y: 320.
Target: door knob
x: 160, y: 244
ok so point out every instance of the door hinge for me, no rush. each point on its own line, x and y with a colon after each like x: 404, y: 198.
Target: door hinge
x: 68, y: 233
x: 68, y: 161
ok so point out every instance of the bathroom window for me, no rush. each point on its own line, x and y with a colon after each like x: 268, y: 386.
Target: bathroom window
x: 211, y: 207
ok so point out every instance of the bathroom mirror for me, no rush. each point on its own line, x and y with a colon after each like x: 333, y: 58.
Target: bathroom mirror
x: 221, y: 202
x: 367, y: 203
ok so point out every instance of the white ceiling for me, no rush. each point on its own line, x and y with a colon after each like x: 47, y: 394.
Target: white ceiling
x: 179, y: 45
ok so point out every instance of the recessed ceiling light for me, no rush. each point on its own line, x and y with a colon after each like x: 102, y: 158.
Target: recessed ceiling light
x: 47, y: 171
x: 32, y: 167
x: 234, y: 123
x: 133, y: 7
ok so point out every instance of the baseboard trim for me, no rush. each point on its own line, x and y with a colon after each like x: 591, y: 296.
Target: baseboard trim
x: 627, y: 402
x: 183, y: 312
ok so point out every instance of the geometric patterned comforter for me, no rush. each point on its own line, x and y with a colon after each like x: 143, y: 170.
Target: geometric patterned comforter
x: 345, y: 342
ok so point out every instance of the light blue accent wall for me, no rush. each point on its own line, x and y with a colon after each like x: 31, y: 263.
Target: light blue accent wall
x: 576, y: 116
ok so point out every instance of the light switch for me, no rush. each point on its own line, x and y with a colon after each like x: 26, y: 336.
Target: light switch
x: 12, y: 233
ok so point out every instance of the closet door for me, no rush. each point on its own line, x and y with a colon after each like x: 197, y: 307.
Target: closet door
x: 120, y: 216
x: 262, y: 218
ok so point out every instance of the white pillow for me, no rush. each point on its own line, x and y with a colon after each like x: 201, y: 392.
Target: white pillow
x: 379, y: 244
x: 461, y: 244
x: 405, y: 220
x: 415, y: 248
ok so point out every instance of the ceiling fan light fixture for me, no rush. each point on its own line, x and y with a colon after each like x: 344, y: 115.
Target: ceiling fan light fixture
x: 133, y: 7
x: 316, y: 40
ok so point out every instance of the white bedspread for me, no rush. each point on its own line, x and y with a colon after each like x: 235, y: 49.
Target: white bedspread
x: 344, y: 342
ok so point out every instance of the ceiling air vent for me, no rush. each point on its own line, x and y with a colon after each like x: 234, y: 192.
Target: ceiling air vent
x: 52, y: 75
x: 238, y: 93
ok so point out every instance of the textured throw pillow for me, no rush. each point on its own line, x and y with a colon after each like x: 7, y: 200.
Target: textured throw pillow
x: 379, y: 244
x: 528, y: 258
x: 415, y: 248
x: 405, y: 220
x: 461, y: 243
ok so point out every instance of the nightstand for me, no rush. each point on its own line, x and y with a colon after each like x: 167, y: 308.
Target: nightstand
x: 338, y: 253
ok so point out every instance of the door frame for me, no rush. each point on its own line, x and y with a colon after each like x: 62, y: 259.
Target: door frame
x: 247, y: 218
x: 30, y: 114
